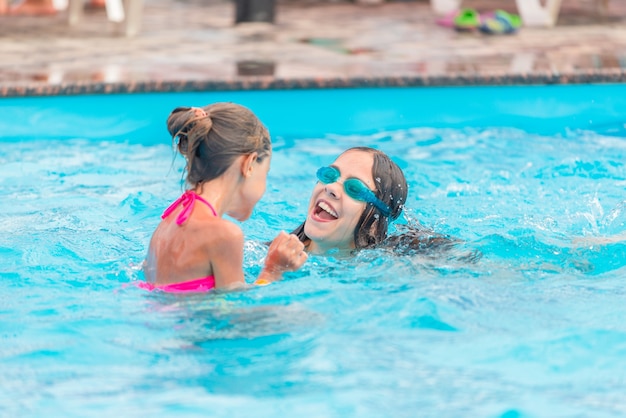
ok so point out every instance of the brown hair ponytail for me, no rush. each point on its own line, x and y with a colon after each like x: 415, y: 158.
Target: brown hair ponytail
x: 210, y: 142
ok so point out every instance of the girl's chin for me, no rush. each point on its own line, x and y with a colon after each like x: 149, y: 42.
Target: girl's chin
x: 313, y: 232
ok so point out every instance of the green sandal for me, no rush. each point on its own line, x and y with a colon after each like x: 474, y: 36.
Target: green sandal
x: 467, y: 20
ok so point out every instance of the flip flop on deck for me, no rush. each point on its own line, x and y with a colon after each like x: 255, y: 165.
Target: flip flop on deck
x: 500, y: 22
x: 467, y: 20
x: 463, y: 20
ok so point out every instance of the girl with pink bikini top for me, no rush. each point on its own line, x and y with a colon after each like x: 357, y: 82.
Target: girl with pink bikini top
x: 194, y: 249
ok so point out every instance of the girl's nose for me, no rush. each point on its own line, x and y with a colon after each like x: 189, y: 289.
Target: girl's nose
x: 332, y: 190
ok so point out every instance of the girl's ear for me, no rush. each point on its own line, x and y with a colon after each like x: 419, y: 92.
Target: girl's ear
x: 373, y: 228
x: 247, y: 164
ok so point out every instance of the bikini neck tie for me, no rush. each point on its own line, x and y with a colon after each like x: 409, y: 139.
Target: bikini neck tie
x: 188, y: 200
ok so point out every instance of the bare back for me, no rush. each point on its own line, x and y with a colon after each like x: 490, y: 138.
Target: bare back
x: 192, y: 242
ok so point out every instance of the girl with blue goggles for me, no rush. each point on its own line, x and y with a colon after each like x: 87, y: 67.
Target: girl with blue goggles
x: 325, y: 227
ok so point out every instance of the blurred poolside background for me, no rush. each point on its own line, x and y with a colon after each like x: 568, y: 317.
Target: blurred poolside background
x: 187, y: 41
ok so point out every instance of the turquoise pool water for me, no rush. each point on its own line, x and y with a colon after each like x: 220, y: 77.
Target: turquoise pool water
x: 531, y: 177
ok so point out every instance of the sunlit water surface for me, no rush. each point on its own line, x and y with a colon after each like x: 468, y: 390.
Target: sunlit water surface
x: 533, y: 328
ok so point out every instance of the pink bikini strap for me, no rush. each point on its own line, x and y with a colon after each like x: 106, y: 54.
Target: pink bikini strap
x: 188, y: 199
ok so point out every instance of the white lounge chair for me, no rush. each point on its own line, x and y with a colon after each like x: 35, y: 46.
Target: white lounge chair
x: 534, y: 14
x: 115, y: 10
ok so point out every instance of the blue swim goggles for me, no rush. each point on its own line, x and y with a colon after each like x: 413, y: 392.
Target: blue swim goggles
x: 354, y: 188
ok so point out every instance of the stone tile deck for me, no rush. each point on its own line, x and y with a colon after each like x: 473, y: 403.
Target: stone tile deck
x: 188, y: 45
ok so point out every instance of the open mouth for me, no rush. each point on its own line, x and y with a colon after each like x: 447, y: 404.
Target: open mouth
x: 324, y: 212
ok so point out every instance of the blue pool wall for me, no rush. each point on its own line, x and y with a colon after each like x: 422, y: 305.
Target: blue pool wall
x: 310, y: 113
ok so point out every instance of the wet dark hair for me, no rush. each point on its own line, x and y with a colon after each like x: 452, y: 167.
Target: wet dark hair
x: 210, y: 143
x: 391, y: 188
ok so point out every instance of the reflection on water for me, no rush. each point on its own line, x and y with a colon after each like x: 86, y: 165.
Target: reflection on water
x: 200, y: 319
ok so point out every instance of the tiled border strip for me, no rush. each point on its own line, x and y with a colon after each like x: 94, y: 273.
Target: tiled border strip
x: 606, y: 76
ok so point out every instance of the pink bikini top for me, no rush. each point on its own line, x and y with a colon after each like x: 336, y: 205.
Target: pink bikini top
x: 204, y: 284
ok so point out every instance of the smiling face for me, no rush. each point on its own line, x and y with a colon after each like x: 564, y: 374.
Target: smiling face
x: 332, y: 214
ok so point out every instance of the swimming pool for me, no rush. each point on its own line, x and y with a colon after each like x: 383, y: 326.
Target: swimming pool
x: 532, y: 177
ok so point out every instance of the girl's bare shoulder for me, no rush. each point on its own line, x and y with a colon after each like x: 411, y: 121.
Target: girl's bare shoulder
x: 216, y: 231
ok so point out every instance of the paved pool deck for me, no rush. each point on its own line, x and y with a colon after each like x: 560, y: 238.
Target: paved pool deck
x: 194, y: 45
